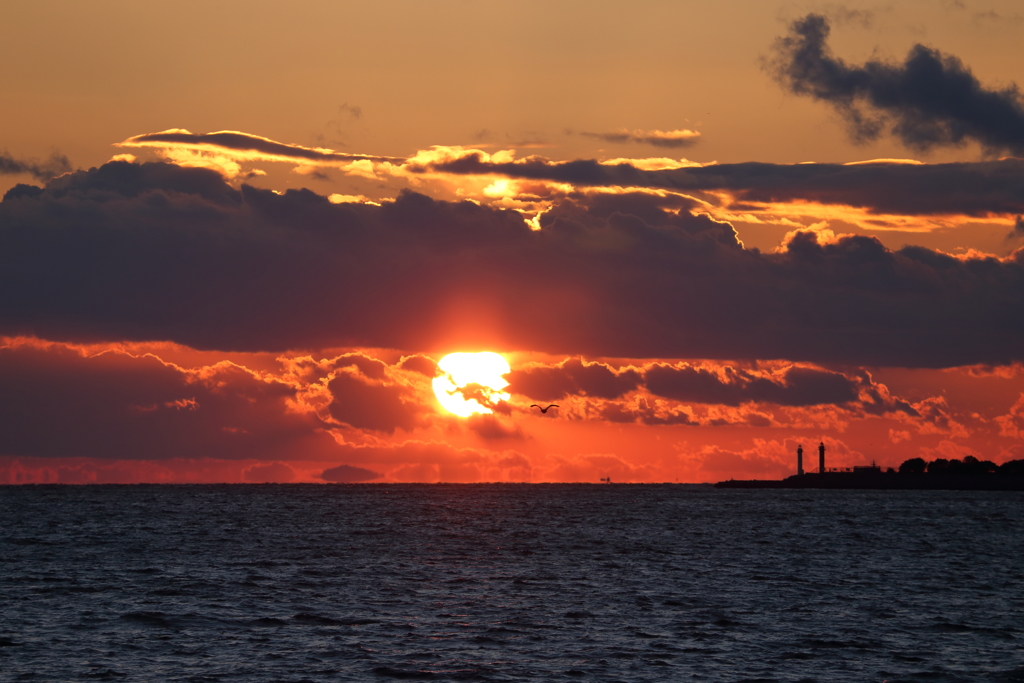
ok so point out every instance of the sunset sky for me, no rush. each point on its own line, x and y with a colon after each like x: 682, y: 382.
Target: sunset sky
x: 237, y: 238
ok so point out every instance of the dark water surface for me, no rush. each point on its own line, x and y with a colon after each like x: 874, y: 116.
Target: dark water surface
x: 508, y: 583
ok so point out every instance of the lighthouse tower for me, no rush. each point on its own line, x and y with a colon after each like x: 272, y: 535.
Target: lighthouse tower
x: 821, y: 457
x: 799, y: 460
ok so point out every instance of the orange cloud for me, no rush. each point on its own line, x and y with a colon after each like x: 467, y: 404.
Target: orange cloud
x: 657, y: 138
x: 244, y: 146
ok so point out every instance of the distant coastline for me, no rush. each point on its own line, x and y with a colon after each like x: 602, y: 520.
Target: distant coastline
x: 882, y: 481
x: 969, y: 474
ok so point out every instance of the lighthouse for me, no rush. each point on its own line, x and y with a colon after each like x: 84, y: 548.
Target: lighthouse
x: 821, y: 457
x: 799, y: 460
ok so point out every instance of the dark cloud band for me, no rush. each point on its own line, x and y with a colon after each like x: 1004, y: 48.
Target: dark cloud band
x: 972, y: 189
x: 160, y: 252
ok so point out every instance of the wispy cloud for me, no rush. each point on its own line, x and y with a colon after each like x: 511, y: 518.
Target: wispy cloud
x: 246, y: 146
x: 657, y: 138
x: 352, y: 110
x: 56, y: 165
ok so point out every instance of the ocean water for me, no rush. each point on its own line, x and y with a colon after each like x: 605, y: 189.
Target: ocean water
x: 508, y: 583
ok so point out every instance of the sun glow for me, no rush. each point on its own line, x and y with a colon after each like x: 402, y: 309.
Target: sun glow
x: 471, y: 382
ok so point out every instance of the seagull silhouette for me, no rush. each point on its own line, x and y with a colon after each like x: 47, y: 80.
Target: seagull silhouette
x: 544, y: 410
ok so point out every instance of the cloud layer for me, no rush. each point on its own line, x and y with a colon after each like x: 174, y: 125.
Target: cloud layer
x: 971, y: 189
x: 59, y: 402
x: 122, y: 414
x: 890, y: 187
x: 159, y: 252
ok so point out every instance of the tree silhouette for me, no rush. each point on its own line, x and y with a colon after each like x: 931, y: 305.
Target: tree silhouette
x: 913, y: 466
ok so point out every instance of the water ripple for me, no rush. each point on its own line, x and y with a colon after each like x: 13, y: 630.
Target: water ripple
x: 509, y: 583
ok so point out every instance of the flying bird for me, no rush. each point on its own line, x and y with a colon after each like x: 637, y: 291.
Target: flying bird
x: 544, y: 410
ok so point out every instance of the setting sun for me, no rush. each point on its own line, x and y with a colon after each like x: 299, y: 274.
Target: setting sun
x: 471, y: 382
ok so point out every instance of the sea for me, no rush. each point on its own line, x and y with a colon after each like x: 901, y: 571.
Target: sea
x: 508, y: 582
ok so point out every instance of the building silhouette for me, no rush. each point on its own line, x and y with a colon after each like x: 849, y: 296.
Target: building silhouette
x: 821, y: 459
